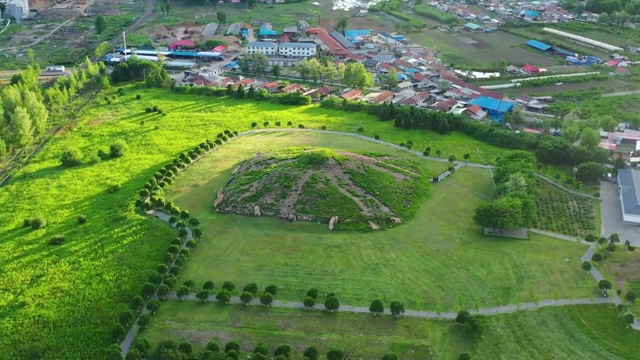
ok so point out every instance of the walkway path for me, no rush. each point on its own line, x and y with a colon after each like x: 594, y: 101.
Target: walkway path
x: 423, y: 314
x: 570, y: 191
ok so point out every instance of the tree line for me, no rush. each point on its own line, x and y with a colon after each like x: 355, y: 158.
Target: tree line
x: 517, y: 189
x: 27, y: 109
x: 294, y: 98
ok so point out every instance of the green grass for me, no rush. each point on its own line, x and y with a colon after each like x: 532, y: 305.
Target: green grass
x: 577, y: 332
x: 66, y: 298
x: 416, y: 263
x: 622, y: 268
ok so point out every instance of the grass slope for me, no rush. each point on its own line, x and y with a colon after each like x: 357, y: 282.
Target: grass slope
x: 578, y: 332
x: 65, y: 299
x: 417, y: 263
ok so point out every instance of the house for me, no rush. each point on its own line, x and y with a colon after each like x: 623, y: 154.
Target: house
x: 244, y: 82
x: 495, y: 108
x: 629, y: 187
x: 416, y: 99
x: 342, y: 40
x: 270, y: 87
x: 266, y: 30
x: 353, y: 94
x: 387, y: 38
x: 262, y: 47
x: 291, y: 88
x: 297, y: 49
x: 382, y: 97
x: 530, y: 69
x: 444, y: 105
x: 405, y: 85
x: 332, y: 45
x: 475, y: 112
x: 319, y: 93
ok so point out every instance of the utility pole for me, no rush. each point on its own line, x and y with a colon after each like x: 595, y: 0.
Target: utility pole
x: 124, y: 43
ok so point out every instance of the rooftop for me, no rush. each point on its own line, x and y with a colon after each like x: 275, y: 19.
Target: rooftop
x: 629, y: 181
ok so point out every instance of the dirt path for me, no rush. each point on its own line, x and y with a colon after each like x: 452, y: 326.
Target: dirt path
x: 42, y: 37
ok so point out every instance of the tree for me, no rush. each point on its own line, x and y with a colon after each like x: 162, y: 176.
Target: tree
x: 342, y: 25
x: 589, y: 172
x: 251, y: 288
x: 464, y: 356
x: 208, y: 285
x: 163, y: 290
x: 114, y: 352
x: 335, y: 354
x: 153, y: 306
x: 261, y: 348
x: 71, y: 157
x: 312, y: 293
x: 614, y: 238
x: 602, y: 240
x: 19, y: 129
x: 309, y: 302
x: 118, y: 149
x: 283, y: 350
x: 266, y: 299
x: 100, y: 24
x: 630, y: 296
x: 590, y: 238
x: 590, y: 138
x: 222, y: 17
x: 619, y: 163
x: 596, y: 257
x: 148, y: 289
x: 276, y: 70
x: 396, y: 308
x: 392, y: 79
x: 466, y: 157
x: 376, y: 307
x: 223, y: 296
x: 272, y: 289
x: 246, y: 297
x: 133, y: 354
x: 586, y: 266
x: 166, y: 350
x: 463, y: 316
x: 310, y: 353
x: 118, y: 333
x: 259, y: 63
x: 213, y: 346
x: 184, y: 214
x: 203, y: 295
x: 229, y: 286
x: 604, y: 284
x: 144, y: 320
x: 611, y: 248
x: 193, y: 222
x: 356, y: 75
x: 503, y: 213
x: 137, y: 303
x: 438, y: 153
x: 185, y: 347
x: 390, y: 356
x: 232, y: 346
x: 628, y: 318
x: 332, y: 303
x: 182, y: 292
x: 37, y: 111
x: 126, y: 318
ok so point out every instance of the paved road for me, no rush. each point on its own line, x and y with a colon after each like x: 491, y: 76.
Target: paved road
x: 151, y: 5
x: 611, y: 211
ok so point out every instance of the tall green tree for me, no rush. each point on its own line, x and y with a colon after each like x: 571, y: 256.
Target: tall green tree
x: 100, y: 24
x: 396, y: 308
x: 590, y: 138
x: 356, y: 75
x: 275, y: 70
x: 19, y: 129
x: 222, y: 16
x: 342, y: 24
x: 376, y: 307
x: 392, y: 79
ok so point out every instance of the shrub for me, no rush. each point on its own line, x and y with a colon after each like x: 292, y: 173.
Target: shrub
x: 324, y: 127
x: 26, y: 223
x: 377, y: 137
x: 71, y: 157
x: 265, y: 124
x: 289, y: 123
x: 103, y: 155
x: 278, y: 123
x: 113, y: 188
x: 254, y: 124
x: 82, y: 219
x: 300, y: 126
x: 118, y: 149
x: 38, y: 223
x: 148, y: 110
x: 138, y: 97
x: 361, y: 130
x: 56, y: 240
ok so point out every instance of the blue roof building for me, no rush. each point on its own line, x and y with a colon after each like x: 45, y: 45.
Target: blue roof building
x: 352, y: 34
x: 472, y: 26
x: 629, y: 186
x: 531, y: 14
x: 539, y: 45
x: 495, y: 108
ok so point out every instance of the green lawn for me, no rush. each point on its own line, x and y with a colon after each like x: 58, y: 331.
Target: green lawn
x: 66, y: 298
x: 578, y: 332
x: 622, y: 267
x: 417, y: 263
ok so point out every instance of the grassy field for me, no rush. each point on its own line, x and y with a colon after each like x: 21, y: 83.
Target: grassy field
x: 623, y: 268
x: 579, y: 332
x: 413, y: 263
x: 48, y: 291
x: 560, y: 41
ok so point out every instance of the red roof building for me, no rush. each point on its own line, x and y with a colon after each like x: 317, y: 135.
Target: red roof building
x: 183, y: 44
x: 530, y: 69
x: 352, y: 94
x: 382, y: 97
x: 335, y: 48
x: 291, y: 88
x: 445, y: 105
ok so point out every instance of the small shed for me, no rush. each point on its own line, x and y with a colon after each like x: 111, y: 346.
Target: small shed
x: 539, y: 45
x: 530, y: 69
x: 495, y: 108
x: 471, y: 26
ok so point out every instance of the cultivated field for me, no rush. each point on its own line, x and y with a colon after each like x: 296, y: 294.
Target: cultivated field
x: 416, y: 263
x: 49, y: 291
x: 577, y: 332
x: 489, y: 48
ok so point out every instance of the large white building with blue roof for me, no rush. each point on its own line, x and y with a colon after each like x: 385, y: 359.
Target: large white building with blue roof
x: 629, y: 186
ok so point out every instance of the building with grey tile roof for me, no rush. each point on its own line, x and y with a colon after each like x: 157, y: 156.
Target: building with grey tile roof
x: 629, y: 185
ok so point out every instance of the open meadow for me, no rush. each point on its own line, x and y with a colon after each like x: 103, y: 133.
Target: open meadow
x: 416, y: 263
x: 69, y: 296
x: 576, y: 332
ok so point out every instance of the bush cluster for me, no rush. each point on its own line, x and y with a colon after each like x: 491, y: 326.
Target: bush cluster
x: 250, y: 93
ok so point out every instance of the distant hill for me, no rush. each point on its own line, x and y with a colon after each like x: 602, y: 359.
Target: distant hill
x: 318, y: 184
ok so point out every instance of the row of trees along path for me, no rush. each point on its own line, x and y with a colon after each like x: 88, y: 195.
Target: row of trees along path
x: 503, y: 309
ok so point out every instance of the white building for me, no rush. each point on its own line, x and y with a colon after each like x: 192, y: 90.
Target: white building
x: 261, y: 47
x: 21, y: 6
x: 629, y: 186
x: 297, y: 49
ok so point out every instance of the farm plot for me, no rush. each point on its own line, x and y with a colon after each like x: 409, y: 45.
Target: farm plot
x: 487, y: 49
x: 564, y: 213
